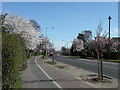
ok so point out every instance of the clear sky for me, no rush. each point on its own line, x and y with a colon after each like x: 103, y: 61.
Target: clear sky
x: 68, y: 18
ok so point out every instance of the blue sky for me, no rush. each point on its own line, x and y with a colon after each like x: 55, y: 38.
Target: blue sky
x: 68, y: 18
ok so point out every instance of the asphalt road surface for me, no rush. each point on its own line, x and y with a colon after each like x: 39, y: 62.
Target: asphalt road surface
x: 109, y: 68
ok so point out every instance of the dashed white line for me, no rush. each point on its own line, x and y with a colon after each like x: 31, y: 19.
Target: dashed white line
x: 47, y: 75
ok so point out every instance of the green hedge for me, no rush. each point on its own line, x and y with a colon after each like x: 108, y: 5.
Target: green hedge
x: 113, y: 55
x: 13, y: 59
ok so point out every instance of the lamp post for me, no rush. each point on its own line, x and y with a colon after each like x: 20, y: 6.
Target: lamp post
x: 109, y: 18
x: 46, y: 38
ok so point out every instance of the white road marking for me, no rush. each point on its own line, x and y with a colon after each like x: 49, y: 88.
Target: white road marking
x: 47, y: 75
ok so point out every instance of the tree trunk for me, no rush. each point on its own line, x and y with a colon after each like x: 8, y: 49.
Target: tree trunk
x: 53, y: 59
x: 101, y: 65
x: 98, y: 64
x: 44, y: 53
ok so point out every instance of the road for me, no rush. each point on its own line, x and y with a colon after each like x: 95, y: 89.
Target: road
x: 109, y: 68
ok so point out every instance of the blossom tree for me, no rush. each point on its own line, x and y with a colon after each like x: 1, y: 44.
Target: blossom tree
x: 100, y: 44
x: 44, y: 45
x: 24, y: 28
x: 115, y: 43
x: 78, y: 44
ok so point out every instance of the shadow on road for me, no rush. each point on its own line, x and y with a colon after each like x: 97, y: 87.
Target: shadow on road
x: 60, y: 80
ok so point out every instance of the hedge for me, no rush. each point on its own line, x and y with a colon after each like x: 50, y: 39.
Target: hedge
x: 13, y: 59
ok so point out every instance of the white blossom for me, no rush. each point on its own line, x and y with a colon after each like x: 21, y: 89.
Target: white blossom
x: 23, y: 27
x: 44, y: 43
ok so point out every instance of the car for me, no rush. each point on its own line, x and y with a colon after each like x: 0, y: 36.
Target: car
x: 51, y: 54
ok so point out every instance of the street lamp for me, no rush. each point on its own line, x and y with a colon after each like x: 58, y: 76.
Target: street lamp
x: 109, y: 18
x: 47, y: 29
x: 46, y: 38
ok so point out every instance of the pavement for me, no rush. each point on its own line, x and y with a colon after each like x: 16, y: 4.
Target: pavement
x: 41, y: 75
x: 33, y: 77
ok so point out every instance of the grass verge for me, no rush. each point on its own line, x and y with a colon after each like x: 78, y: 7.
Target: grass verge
x: 118, y: 61
x: 51, y: 63
x: 18, y: 83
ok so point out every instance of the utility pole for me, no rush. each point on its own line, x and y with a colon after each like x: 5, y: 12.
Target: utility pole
x: 109, y: 18
x: 53, y: 53
x: 46, y: 38
x: 46, y: 43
